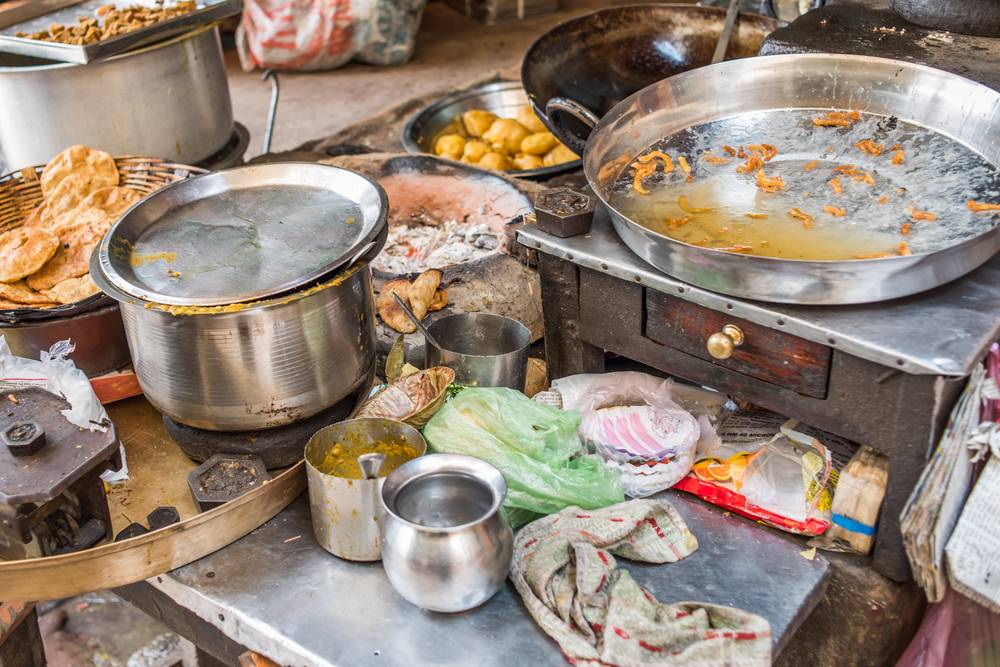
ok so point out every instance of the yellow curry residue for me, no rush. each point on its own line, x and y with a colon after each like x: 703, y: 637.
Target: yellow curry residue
x: 342, y: 459
x: 237, y: 307
x: 137, y: 259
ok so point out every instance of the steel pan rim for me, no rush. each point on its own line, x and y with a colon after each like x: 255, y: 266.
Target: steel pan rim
x: 115, y: 286
x: 759, y: 264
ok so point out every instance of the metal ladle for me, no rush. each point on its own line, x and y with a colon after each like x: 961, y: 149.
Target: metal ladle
x: 413, y: 318
x: 727, y: 32
x: 371, y: 465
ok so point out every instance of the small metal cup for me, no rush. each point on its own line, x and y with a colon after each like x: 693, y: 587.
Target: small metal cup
x: 346, y: 512
x: 485, y: 350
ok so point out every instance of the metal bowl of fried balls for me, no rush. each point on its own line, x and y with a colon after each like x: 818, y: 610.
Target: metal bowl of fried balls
x: 492, y: 127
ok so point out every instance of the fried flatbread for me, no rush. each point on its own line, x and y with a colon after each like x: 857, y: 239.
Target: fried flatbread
x: 72, y: 191
x: 72, y: 259
x: 36, y: 217
x: 88, y: 164
x: 422, y: 292
x: 25, y: 250
x: 100, y: 209
x: 19, y: 292
x: 439, y: 301
x: 72, y: 290
x: 389, y: 310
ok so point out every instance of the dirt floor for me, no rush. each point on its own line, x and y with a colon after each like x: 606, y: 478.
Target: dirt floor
x: 101, y: 630
x: 451, y: 50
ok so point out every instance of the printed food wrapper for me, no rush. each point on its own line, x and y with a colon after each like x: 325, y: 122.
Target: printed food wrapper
x: 784, y: 479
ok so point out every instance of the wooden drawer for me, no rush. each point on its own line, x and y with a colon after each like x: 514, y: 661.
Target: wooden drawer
x: 766, y: 354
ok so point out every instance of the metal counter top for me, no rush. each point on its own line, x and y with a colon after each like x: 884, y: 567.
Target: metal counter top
x: 941, y: 332
x: 277, y: 592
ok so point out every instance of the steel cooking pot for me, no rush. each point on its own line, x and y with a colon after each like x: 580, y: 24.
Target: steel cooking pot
x: 237, y: 307
x: 170, y: 99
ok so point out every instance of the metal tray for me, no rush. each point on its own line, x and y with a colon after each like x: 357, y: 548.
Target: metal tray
x: 207, y: 11
x: 501, y: 97
x: 945, y: 106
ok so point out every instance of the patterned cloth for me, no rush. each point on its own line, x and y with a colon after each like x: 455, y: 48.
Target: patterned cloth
x: 565, y: 572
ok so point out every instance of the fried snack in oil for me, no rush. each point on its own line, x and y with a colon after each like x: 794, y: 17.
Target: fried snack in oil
x: 486, y: 140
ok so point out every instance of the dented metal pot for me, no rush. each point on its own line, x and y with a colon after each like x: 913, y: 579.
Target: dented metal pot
x: 346, y: 512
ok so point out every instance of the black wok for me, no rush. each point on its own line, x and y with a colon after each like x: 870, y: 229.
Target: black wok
x: 577, y: 71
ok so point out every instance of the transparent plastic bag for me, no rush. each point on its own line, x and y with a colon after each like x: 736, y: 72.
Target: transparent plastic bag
x: 955, y: 631
x: 632, y: 421
x: 786, y: 481
x: 56, y: 373
x: 536, y: 447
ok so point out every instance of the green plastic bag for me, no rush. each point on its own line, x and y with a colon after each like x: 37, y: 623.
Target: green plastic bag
x: 535, y: 447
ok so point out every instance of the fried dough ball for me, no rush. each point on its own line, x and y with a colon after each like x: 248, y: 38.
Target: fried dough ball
x: 495, y: 161
x: 477, y: 121
x: 474, y: 151
x: 449, y: 146
x: 523, y: 161
x: 505, y: 135
x: 539, y: 143
x: 559, y: 155
x: 531, y: 122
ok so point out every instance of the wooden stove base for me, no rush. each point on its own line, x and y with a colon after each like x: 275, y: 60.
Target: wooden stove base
x: 587, y: 313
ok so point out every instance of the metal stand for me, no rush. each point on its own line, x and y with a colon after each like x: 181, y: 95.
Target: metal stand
x: 587, y: 313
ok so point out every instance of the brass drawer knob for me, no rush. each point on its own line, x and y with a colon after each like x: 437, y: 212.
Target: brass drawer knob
x: 722, y: 344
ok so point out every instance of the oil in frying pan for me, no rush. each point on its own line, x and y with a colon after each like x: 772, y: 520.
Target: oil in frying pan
x: 866, y: 212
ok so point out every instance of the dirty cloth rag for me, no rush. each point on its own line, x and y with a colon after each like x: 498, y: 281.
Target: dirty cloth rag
x: 567, y: 576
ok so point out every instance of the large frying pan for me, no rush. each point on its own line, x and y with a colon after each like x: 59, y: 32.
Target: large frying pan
x: 577, y: 71
x: 950, y: 128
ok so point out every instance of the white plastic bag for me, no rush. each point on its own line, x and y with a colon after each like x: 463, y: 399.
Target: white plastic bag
x: 55, y: 373
x: 309, y: 35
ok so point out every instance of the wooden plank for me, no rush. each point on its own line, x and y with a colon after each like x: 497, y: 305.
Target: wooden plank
x: 766, y: 354
x: 116, y: 386
x: 157, y: 468
x: 566, y: 353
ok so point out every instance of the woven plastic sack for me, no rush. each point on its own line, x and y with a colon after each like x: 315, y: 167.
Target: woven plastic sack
x: 309, y: 35
x: 536, y: 447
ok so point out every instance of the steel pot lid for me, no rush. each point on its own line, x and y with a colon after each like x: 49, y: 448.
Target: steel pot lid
x: 242, y: 234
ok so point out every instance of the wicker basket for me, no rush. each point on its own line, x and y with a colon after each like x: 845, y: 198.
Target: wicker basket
x: 21, y: 191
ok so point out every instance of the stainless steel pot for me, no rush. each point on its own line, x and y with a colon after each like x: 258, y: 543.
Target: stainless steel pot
x: 257, y: 365
x: 484, y: 350
x: 445, y: 544
x: 170, y: 100
x: 239, y: 311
